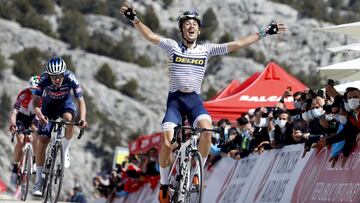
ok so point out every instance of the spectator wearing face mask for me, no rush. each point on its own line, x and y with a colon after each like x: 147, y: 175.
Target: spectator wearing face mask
x: 280, y: 130
x: 299, y: 99
x: 260, y: 134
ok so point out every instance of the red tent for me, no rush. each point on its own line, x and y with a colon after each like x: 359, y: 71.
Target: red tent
x: 265, y: 90
x: 145, y: 142
x: 235, y: 87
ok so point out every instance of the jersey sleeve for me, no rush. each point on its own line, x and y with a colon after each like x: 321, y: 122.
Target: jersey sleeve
x: 167, y: 45
x: 75, y: 85
x: 217, y: 49
x: 21, y: 96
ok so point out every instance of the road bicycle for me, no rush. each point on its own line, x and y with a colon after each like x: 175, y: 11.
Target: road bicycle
x: 53, y: 172
x: 26, y: 164
x: 186, y: 172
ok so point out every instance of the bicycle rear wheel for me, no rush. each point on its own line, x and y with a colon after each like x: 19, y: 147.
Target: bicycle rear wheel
x: 54, y: 179
x: 195, y: 190
x: 25, y: 174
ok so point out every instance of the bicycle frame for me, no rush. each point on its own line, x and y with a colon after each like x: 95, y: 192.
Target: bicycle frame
x: 182, y: 164
x: 50, y: 171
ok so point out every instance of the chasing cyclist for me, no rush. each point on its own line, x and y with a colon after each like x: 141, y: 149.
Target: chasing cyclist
x: 55, y: 88
x: 22, y: 118
x: 187, y: 67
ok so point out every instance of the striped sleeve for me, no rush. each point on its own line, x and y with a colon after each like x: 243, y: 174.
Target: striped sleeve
x: 167, y: 45
x: 217, y: 49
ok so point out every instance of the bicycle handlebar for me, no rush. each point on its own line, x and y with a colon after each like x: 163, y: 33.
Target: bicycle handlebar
x: 62, y: 122
x: 25, y: 132
x: 194, y: 130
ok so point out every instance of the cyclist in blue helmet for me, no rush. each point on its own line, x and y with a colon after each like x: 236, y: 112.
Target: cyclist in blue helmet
x: 188, y: 61
x: 54, y: 88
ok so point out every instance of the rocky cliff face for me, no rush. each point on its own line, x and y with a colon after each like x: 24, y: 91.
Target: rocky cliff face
x: 300, y: 47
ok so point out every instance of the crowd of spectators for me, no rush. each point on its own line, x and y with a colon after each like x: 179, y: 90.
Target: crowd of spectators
x: 129, y: 176
x: 320, y: 118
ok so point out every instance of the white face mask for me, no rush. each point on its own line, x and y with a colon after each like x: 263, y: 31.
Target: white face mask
x: 310, y: 115
x: 353, y: 103
x: 280, y: 123
x: 342, y: 119
x: 297, y: 105
x: 304, y: 116
x: 329, y: 117
x: 317, y: 112
x: 263, y: 122
x: 347, y: 107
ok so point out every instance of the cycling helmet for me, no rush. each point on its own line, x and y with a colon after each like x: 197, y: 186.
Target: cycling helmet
x: 189, y: 15
x: 33, y: 81
x: 55, y: 66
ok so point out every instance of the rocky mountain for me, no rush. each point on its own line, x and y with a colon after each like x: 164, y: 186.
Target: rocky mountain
x: 117, y: 117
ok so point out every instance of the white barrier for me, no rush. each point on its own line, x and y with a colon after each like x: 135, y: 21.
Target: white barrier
x: 276, y: 176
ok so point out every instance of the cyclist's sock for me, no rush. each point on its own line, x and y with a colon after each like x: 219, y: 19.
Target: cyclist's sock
x: 164, y: 174
x: 15, y: 168
x: 39, y: 170
x: 203, y: 161
x: 66, y: 144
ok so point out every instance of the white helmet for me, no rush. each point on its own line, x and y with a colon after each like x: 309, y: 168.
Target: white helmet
x: 34, y: 81
x: 55, y: 66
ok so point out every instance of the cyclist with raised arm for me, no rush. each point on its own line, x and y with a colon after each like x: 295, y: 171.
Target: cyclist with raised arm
x: 188, y: 61
x: 55, y: 88
x: 22, y: 118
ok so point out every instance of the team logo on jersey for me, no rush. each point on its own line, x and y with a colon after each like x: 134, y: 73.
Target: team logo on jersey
x: 188, y: 60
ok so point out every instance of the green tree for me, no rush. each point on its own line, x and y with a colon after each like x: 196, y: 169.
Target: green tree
x: 43, y: 6
x: 151, y: 19
x: 227, y: 37
x: 5, y: 103
x: 73, y: 30
x: 106, y: 76
x: 28, y: 62
x: 167, y: 3
x: 23, y: 12
x: 130, y: 88
x: 210, y: 24
x: 3, y: 64
x: 69, y: 64
x: 124, y: 50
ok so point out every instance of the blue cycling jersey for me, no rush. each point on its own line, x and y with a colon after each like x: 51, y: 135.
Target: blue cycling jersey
x: 50, y: 92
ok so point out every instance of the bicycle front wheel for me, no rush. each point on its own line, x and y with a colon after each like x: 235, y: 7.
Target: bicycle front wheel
x: 195, y: 190
x: 25, y: 174
x: 54, y: 180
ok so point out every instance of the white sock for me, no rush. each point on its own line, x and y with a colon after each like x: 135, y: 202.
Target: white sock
x: 66, y: 144
x: 39, y: 170
x: 164, y: 175
x: 203, y: 161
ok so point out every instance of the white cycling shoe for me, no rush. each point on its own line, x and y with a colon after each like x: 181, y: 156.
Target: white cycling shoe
x: 37, y: 189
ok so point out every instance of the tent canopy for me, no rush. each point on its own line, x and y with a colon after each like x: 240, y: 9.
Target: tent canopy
x: 352, y: 29
x: 345, y: 71
x: 265, y: 90
x: 349, y: 47
x: 235, y: 87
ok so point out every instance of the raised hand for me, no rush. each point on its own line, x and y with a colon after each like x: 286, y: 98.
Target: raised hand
x: 128, y: 11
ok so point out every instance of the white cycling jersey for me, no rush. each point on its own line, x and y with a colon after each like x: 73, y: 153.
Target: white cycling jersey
x: 187, y: 66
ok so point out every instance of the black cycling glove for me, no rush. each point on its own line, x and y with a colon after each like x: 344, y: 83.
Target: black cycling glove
x: 270, y: 29
x: 130, y: 14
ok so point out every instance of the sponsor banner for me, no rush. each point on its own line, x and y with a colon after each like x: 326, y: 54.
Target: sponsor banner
x: 217, y: 178
x: 322, y: 182
x: 148, y: 195
x: 239, y: 179
x: 278, y: 174
x: 273, y: 98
